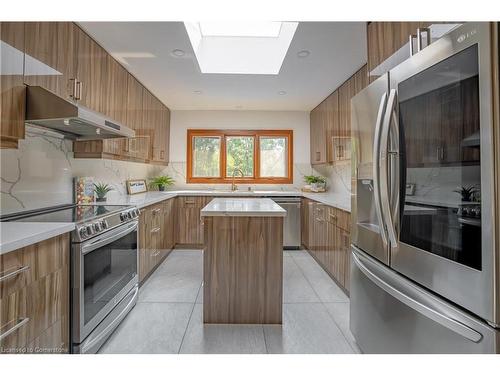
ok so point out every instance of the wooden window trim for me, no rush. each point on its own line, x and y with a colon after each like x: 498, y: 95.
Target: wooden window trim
x: 256, y: 160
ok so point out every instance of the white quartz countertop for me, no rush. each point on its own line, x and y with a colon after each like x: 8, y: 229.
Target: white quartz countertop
x: 145, y: 199
x: 14, y: 235
x: 243, y: 207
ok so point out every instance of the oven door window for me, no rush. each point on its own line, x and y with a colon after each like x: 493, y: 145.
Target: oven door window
x: 107, y: 270
x: 439, y: 127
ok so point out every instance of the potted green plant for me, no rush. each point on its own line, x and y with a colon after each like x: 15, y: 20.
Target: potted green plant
x: 467, y: 192
x: 161, y: 182
x: 315, y: 182
x: 101, y: 189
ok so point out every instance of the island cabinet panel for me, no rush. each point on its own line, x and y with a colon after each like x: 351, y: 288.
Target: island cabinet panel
x: 50, y: 54
x: 189, y: 227
x: 243, y: 270
x: 155, y: 236
x: 12, y: 89
x: 34, y: 298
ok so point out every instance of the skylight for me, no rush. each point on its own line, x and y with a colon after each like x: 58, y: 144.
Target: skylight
x: 240, y: 47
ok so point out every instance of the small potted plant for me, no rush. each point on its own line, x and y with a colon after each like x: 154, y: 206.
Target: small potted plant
x: 467, y: 193
x: 101, y: 189
x: 161, y: 182
x: 316, y: 183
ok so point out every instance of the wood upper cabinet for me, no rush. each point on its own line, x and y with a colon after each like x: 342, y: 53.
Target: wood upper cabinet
x: 115, y: 101
x: 385, y: 38
x: 318, y: 130
x: 330, y: 122
x: 34, y: 297
x: 135, y: 92
x: 189, y: 228
x: 12, y: 89
x: 156, y: 124
x: 50, y: 53
x: 91, y: 72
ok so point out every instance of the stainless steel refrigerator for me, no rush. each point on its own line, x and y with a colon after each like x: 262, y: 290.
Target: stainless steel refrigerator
x: 424, y: 264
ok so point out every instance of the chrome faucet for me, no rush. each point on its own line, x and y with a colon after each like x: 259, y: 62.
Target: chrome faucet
x: 233, y: 185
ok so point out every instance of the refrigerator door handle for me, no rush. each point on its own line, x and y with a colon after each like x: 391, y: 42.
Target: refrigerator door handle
x: 384, y: 155
x: 416, y: 299
x: 376, y: 169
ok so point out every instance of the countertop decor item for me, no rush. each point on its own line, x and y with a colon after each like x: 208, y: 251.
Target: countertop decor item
x: 315, y: 184
x: 161, y: 182
x: 467, y: 192
x: 84, y: 190
x: 101, y: 189
x: 136, y: 186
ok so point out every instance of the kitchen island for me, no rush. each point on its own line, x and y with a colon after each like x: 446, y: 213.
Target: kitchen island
x: 243, y: 261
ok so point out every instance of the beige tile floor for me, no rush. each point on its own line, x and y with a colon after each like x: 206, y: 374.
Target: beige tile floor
x: 168, y: 316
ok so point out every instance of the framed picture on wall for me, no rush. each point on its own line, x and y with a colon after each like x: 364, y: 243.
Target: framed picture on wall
x: 136, y: 186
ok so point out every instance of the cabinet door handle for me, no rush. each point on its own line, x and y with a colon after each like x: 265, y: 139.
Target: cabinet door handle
x: 189, y: 202
x: 74, y: 93
x: 14, y: 273
x: 162, y: 154
x: 318, y: 156
x: 20, y: 322
x: 156, y: 210
x: 79, y: 85
x: 154, y: 230
x: 412, y: 50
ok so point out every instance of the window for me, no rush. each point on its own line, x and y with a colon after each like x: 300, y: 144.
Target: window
x: 252, y: 156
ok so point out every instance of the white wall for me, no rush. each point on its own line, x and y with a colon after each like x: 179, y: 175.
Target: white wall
x: 180, y: 121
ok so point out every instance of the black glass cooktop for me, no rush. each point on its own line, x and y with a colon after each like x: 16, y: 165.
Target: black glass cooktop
x: 67, y: 214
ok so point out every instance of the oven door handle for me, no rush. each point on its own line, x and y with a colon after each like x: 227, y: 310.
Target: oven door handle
x: 108, y: 238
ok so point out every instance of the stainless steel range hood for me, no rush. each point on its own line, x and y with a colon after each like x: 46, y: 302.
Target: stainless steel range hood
x: 43, y: 108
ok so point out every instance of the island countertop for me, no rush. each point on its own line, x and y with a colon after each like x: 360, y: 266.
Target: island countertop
x: 260, y: 207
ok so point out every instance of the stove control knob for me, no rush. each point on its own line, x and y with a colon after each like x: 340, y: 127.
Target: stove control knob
x: 123, y: 216
x: 130, y: 214
x: 104, y: 224
x: 97, y: 227
x: 83, y: 232
x: 135, y: 212
x: 90, y: 229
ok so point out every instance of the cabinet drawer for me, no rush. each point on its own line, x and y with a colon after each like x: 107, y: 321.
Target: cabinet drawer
x: 35, y: 296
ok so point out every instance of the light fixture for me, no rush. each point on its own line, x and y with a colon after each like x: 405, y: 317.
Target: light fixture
x: 197, y: 92
x: 177, y: 53
x: 304, y: 53
x: 240, y: 28
x: 240, y: 47
x: 281, y: 92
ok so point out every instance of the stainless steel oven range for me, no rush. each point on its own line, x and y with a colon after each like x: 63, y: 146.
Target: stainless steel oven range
x: 104, y: 277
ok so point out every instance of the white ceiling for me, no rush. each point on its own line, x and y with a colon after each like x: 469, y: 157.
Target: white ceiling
x: 337, y: 49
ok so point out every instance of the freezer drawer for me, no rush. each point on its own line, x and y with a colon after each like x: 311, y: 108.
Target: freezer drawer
x: 390, y: 314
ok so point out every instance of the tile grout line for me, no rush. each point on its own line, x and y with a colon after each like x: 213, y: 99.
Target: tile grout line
x: 189, y: 321
x: 341, y: 331
x: 323, y: 303
x: 264, y: 335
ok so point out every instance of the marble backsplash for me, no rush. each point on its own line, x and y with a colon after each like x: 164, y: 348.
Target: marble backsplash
x: 40, y: 173
x: 338, y: 177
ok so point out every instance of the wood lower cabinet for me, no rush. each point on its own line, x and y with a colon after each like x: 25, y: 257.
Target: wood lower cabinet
x: 12, y: 89
x: 328, y: 230
x: 189, y: 227
x: 34, y: 299
x: 156, y: 227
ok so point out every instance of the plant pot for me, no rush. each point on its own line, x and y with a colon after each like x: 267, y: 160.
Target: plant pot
x: 161, y: 187
x: 103, y: 199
